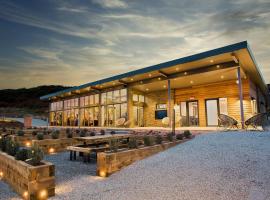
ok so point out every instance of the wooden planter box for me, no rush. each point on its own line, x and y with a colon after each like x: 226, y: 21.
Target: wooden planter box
x: 54, y: 145
x: 31, y: 182
x: 108, y: 162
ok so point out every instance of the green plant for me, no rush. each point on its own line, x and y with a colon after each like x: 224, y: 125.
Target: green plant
x: 83, y: 133
x: 170, y: 137
x: 187, y: 134
x: 133, y: 143
x: 20, y: 133
x: 55, y: 134
x: 114, y: 144
x: 40, y: 136
x: 179, y: 136
x: 92, y: 133
x: 22, y: 154
x: 148, y: 140
x: 159, y: 139
x: 12, y: 147
x: 3, y: 143
x: 35, y: 155
x: 102, y: 132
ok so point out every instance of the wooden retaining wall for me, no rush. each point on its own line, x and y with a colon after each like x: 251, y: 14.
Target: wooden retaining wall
x: 29, y: 181
x: 108, y: 163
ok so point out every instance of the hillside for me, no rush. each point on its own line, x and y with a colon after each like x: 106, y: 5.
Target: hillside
x: 17, y: 102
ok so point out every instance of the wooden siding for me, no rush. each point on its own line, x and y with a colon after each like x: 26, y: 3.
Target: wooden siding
x: 226, y: 89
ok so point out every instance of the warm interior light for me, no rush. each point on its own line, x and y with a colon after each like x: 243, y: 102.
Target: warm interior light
x: 51, y: 150
x: 185, y: 73
x: 0, y: 137
x: 237, y: 82
x: 1, y: 174
x: 222, y: 77
x: 25, y: 194
x: 150, y: 75
x: 164, y: 86
x: 43, y: 194
x: 218, y: 66
x: 102, y: 174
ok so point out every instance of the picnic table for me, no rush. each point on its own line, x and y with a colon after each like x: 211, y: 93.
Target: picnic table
x: 94, y: 144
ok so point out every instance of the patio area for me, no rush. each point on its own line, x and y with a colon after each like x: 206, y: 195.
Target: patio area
x: 221, y: 165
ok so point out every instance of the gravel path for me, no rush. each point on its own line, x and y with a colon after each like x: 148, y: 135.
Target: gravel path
x: 216, y: 166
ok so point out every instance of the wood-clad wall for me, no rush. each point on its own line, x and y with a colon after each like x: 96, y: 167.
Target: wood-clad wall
x: 226, y: 89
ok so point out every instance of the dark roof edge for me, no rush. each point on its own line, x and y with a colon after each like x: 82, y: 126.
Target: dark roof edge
x: 210, y: 53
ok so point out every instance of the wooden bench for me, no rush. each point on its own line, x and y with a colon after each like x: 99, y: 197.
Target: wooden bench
x: 86, y: 151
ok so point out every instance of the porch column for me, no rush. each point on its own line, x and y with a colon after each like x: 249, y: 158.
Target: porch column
x: 240, y: 89
x: 79, y: 112
x: 169, y: 103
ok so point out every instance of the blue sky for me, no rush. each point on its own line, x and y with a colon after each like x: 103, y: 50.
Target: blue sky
x: 75, y: 42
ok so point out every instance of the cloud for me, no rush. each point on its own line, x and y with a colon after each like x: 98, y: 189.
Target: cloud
x: 111, y: 3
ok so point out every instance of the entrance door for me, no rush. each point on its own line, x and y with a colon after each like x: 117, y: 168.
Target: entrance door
x: 138, y: 115
x: 189, y: 113
x: 212, y: 112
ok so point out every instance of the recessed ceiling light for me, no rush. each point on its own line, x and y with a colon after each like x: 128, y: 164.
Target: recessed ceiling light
x: 131, y: 79
x: 175, y: 79
x: 150, y: 75
x: 191, y: 82
x: 211, y: 61
x: 177, y: 69
x: 237, y: 82
x: 222, y: 77
x: 147, y: 89
x: 113, y: 83
x: 218, y: 66
x: 159, y: 78
x: 141, y: 82
x: 185, y: 73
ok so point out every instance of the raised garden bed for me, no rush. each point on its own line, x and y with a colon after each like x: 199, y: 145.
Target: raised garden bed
x: 31, y: 182
x: 110, y: 162
x: 54, y: 145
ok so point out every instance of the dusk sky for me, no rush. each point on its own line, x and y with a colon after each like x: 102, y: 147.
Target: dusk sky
x: 69, y: 43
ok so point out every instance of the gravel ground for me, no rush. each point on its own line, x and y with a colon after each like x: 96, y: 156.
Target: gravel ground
x: 216, y: 166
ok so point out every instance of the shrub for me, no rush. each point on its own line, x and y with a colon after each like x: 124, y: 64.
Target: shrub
x: 187, y: 134
x: 34, y: 133
x: 22, y: 154
x: 40, y: 136
x: 148, y: 140
x: 179, y: 136
x: 20, y: 133
x: 83, y: 133
x: 159, y: 139
x: 133, y: 143
x: 12, y: 147
x: 35, y: 155
x: 113, y: 133
x: 55, y: 134
x: 92, y: 133
x: 102, y: 132
x: 170, y: 137
x: 114, y: 144
x: 3, y: 143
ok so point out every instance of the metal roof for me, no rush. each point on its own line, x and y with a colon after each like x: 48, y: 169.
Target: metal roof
x: 195, y: 57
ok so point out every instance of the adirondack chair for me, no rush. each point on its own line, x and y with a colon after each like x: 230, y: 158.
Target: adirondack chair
x: 256, y: 120
x: 227, y: 122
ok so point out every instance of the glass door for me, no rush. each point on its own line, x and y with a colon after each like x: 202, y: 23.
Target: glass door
x: 138, y: 115
x: 193, y: 117
x: 212, y: 112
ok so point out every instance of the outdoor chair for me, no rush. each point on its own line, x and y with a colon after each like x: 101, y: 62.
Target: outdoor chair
x: 120, y: 122
x: 227, y: 122
x: 256, y: 120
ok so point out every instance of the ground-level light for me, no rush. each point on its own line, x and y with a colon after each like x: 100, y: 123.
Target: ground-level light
x: 51, y: 150
x: 102, y: 173
x: 43, y: 194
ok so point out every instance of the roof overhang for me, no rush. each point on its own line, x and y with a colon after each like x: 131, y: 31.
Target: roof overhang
x: 221, y: 58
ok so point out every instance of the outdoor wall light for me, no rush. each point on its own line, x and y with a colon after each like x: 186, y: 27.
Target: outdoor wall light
x: 218, y: 66
x: 25, y: 194
x: 102, y: 173
x: 43, y: 194
x: 28, y: 144
x: 51, y: 150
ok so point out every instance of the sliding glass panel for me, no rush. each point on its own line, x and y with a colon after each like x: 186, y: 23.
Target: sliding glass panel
x: 212, y: 112
x: 193, y: 118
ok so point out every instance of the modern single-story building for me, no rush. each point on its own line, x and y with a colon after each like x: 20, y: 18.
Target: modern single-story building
x: 190, y: 91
